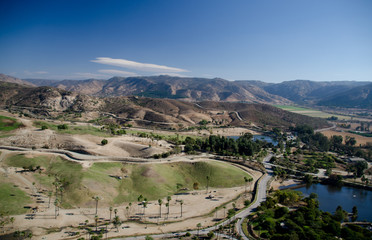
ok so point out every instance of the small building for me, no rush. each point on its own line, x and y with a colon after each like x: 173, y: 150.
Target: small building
x: 355, y: 159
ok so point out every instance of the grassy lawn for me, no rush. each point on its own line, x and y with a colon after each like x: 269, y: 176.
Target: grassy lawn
x: 78, y: 130
x: 181, y: 137
x: 153, y: 181
x: 12, y: 199
x: 8, y: 124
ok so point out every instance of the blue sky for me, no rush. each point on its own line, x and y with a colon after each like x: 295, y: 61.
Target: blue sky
x: 268, y: 40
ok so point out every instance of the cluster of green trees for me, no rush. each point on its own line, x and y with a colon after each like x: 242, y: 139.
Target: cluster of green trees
x: 319, y: 142
x: 243, y: 146
x: 275, y: 221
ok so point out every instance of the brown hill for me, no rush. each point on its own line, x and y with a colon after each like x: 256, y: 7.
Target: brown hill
x: 191, y: 89
x: 165, y: 113
x: 10, y: 79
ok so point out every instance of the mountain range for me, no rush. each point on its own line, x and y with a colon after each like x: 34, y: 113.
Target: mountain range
x: 351, y: 94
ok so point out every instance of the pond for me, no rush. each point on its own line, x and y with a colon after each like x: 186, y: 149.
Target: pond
x: 330, y: 197
x: 259, y: 137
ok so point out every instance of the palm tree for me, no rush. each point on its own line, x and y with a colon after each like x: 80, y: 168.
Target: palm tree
x: 96, y: 221
x: 96, y: 198
x: 140, y: 198
x: 160, y: 203
x: 246, y: 180
x: 61, y: 189
x: 198, y: 226
x: 144, y: 203
x: 116, y: 212
x: 168, y: 200
x: 167, y: 205
x: 207, y: 183
x: 110, y: 212
x: 181, y: 203
x: 56, y: 208
x: 106, y: 224
x: 50, y: 193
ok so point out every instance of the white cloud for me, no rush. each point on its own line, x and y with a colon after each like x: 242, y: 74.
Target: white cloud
x: 147, y: 67
x: 35, y: 73
x: 116, y: 72
x: 172, y: 74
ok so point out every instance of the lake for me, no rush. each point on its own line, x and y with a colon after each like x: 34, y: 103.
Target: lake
x: 259, y: 137
x: 330, y: 197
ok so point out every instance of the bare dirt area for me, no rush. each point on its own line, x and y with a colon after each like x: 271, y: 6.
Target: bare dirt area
x: 120, y: 146
x: 198, y: 207
x: 360, y: 139
x: 276, y: 184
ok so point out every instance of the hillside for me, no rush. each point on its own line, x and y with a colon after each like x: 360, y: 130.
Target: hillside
x: 309, y: 92
x: 191, y: 89
x: 165, y: 113
x: 10, y: 79
x: 359, y: 97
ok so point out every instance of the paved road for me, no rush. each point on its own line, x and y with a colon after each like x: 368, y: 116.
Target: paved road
x: 261, y: 196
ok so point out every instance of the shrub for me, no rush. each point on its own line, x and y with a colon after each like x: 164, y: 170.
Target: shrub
x: 62, y: 127
x: 104, y: 142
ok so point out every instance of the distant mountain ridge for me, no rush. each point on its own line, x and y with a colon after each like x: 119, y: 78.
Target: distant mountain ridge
x: 192, y: 89
x: 301, y: 92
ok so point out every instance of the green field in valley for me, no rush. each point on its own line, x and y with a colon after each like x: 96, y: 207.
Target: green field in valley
x: 311, y: 112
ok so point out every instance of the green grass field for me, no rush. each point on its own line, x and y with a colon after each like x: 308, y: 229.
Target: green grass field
x: 12, y: 199
x: 8, y: 124
x: 153, y: 181
x: 77, y: 130
x: 311, y: 112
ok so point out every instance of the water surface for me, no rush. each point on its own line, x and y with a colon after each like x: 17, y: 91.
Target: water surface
x: 330, y: 197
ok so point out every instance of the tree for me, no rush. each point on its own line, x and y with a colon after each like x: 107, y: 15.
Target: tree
x: 181, y: 203
x: 246, y: 180
x: 207, y: 183
x: 355, y: 213
x: 139, y: 199
x: 110, y: 209
x: 115, y: 212
x: 96, y: 198
x: 198, y: 226
x: 169, y: 198
x: 56, y: 208
x: 104, y: 142
x: 96, y: 221
x: 144, y: 203
x: 117, y: 223
x: 350, y: 141
x: 50, y: 193
x: 160, y: 203
x: 195, y: 186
